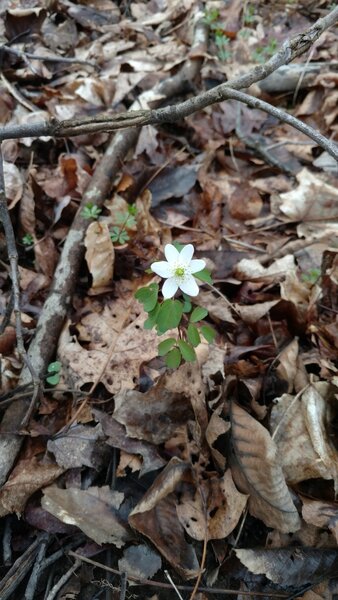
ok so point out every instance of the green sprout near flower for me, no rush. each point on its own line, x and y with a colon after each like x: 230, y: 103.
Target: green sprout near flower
x: 91, y: 211
x: 124, y: 220
x: 180, y: 272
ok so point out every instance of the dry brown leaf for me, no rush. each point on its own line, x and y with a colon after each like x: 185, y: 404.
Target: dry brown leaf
x: 118, y: 438
x: 254, y: 312
x: 257, y: 471
x: 155, y: 517
x: 299, y: 426
x: 217, y: 427
x: 29, y: 476
x: 80, y: 446
x: 114, y: 337
x: 224, y: 506
x: 100, y: 254
x: 171, y: 402
x: 46, y: 255
x: 82, y: 507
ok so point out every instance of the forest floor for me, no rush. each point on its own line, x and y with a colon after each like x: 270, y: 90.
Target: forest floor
x: 206, y: 467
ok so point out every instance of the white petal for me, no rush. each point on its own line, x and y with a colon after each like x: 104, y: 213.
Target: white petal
x: 196, y: 265
x: 189, y: 286
x: 161, y: 268
x: 171, y: 253
x: 186, y: 253
x: 169, y: 288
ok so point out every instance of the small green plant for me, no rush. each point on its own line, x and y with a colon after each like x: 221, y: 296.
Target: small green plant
x: 262, y: 53
x: 91, y: 211
x: 249, y: 16
x: 211, y: 18
x: 222, y: 43
x: 124, y: 220
x: 311, y: 276
x: 27, y: 239
x: 180, y: 272
x: 54, y: 368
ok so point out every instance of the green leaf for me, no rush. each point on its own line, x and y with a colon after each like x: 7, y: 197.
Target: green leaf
x: 54, y: 367
x: 123, y: 237
x: 173, y: 358
x: 152, y: 317
x: 208, y: 332
x: 204, y: 275
x: 120, y: 217
x: 165, y: 346
x: 187, y: 350
x: 187, y: 304
x: 193, y: 335
x: 170, y: 315
x: 198, y: 313
x: 53, y: 379
x: 148, y: 296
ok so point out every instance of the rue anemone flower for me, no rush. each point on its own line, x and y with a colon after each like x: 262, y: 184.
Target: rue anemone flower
x: 178, y: 270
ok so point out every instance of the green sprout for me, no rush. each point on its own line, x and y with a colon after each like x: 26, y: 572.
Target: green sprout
x: 91, y: 211
x: 311, y: 276
x: 262, y: 53
x: 54, y: 368
x: 27, y: 239
x: 124, y: 220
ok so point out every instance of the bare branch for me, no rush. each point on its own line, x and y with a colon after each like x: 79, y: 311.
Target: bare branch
x: 136, y: 118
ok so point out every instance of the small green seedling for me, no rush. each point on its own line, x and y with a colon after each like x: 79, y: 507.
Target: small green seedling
x: 124, y: 220
x: 27, y: 239
x: 91, y: 211
x: 54, y: 368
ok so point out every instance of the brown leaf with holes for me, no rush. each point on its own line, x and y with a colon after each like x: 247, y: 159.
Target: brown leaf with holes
x: 256, y: 471
x: 224, y: 507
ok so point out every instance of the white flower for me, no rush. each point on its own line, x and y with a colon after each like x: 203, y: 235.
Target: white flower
x: 178, y: 270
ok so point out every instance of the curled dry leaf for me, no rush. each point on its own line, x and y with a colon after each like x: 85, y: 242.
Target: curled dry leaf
x: 291, y: 566
x: 252, y: 270
x: 82, y: 507
x: 217, y: 427
x: 256, y: 471
x: 299, y: 423
x: 155, y: 517
x: 216, y: 520
x: 313, y: 199
x: 100, y: 254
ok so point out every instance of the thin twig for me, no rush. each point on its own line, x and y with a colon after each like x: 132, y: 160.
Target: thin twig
x: 36, y: 571
x: 15, y: 277
x: 168, y: 576
x: 168, y: 586
x: 59, y: 585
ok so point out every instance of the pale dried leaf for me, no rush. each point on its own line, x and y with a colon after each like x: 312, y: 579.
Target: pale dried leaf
x: 13, y: 183
x: 82, y: 507
x: 252, y: 270
x: 80, y: 446
x: 100, y: 254
x: 257, y: 471
x: 321, y: 514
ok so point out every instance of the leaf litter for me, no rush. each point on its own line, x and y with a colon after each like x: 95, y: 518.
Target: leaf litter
x: 188, y: 469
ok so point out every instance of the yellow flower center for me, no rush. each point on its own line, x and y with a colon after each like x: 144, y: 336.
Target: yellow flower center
x: 179, y: 271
